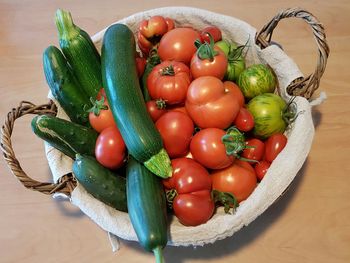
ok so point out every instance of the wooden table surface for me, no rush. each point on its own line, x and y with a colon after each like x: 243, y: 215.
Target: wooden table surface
x: 310, y: 223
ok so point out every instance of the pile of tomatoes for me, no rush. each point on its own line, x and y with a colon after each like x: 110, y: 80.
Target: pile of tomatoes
x: 198, y: 102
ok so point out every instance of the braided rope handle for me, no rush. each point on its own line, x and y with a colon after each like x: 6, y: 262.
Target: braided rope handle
x: 65, y: 185
x: 302, y: 86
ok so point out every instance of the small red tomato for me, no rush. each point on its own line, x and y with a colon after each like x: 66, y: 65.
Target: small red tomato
x: 256, y: 152
x: 261, y: 169
x: 100, y: 115
x: 155, y: 109
x: 274, y: 145
x: 244, y: 120
x: 140, y: 65
x: 110, y: 149
x: 214, y: 31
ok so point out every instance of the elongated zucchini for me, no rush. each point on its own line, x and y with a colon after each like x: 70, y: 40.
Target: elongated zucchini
x: 147, y: 207
x: 100, y: 182
x: 80, y: 52
x: 125, y: 98
x: 65, y: 87
x: 68, y: 137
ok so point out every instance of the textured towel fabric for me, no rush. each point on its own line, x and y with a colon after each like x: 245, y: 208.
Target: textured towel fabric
x: 279, y: 176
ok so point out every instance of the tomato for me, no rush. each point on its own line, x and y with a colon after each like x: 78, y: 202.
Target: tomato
x: 208, y: 149
x: 214, y: 31
x: 274, y: 145
x: 178, y: 45
x: 100, y: 115
x: 100, y: 94
x: 238, y: 179
x: 211, y: 103
x: 244, y: 120
x: 156, y: 109
x: 176, y: 129
x: 236, y: 91
x: 179, y: 108
x: 256, y: 153
x: 140, y: 65
x: 169, y: 81
x: 110, y: 149
x: 257, y: 79
x: 192, y: 204
x: 261, y: 169
x: 270, y: 112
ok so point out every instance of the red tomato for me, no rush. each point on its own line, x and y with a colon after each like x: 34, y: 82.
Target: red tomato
x: 155, y: 109
x: 193, y: 204
x: 274, y: 145
x: 207, y: 148
x: 209, y: 65
x: 176, y: 129
x: 179, y: 108
x: 101, y: 116
x: 110, y: 149
x: 211, y: 104
x: 178, y: 45
x: 238, y: 179
x: 244, y: 120
x: 214, y: 31
x: 140, y: 66
x: 236, y: 91
x: 261, y: 169
x: 169, y: 81
x: 255, y: 153
x: 100, y: 94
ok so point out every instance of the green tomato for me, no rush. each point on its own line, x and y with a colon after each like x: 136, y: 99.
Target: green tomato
x: 224, y: 45
x: 270, y: 114
x: 255, y: 80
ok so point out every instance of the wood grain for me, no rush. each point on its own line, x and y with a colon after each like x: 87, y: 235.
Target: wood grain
x: 310, y: 223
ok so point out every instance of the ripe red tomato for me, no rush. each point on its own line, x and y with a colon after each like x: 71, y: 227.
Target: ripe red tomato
x: 155, y: 109
x: 214, y: 31
x: 169, y: 81
x: 178, y: 44
x: 261, y: 169
x: 209, y: 65
x: 244, y: 120
x: 274, y: 145
x: 110, y: 149
x: 176, y: 129
x: 238, y: 179
x: 140, y: 65
x: 236, y: 91
x: 207, y: 148
x: 255, y: 153
x: 193, y: 204
x: 101, y: 116
x: 211, y: 103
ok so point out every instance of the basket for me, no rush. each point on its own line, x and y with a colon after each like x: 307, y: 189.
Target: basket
x: 280, y: 174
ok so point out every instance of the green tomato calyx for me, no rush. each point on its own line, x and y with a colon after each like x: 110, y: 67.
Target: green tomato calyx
x: 226, y: 199
x: 206, y: 50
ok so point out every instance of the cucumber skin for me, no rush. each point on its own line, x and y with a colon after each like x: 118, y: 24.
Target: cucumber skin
x: 124, y: 94
x: 147, y: 206
x: 100, y: 182
x: 65, y: 87
x: 70, y: 138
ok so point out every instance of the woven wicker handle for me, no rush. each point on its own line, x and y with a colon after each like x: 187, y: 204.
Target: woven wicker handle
x: 304, y: 86
x: 66, y: 183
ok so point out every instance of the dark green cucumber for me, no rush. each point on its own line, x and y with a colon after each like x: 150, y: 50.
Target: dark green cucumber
x: 65, y: 87
x: 100, y: 182
x: 68, y: 137
x: 147, y: 207
x: 125, y: 98
x: 80, y: 52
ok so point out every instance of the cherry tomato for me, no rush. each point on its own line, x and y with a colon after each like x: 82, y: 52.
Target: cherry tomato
x: 244, y: 120
x: 155, y: 109
x: 140, y: 65
x: 211, y: 103
x: 238, y: 179
x: 178, y: 45
x: 101, y: 116
x: 193, y: 204
x: 214, y: 31
x: 274, y: 145
x: 207, y: 148
x: 110, y: 149
x: 169, y: 81
x: 261, y: 169
x: 176, y: 129
x: 255, y: 153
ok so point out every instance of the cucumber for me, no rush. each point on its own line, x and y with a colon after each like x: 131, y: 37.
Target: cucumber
x: 80, y: 52
x: 125, y: 98
x: 68, y: 137
x: 100, y: 182
x: 147, y: 207
x: 65, y: 87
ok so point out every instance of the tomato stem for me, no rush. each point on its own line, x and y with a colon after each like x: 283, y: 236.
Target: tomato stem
x: 206, y: 50
x: 168, y: 71
x: 226, y: 199
x: 161, y: 104
x: 170, y: 196
x: 98, y: 105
